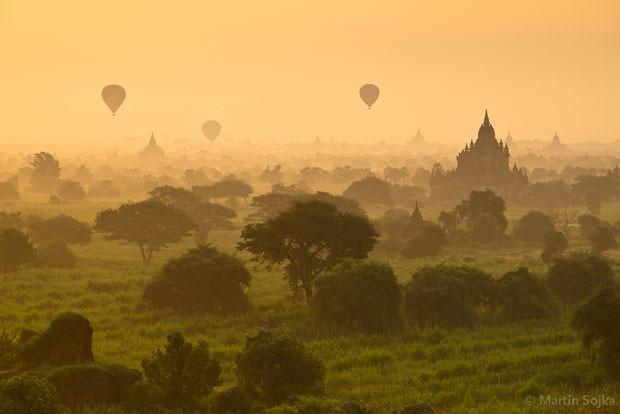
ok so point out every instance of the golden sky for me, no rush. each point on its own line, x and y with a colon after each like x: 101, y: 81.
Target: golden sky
x: 291, y: 69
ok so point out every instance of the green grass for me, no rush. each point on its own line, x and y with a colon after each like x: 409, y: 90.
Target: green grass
x: 484, y: 370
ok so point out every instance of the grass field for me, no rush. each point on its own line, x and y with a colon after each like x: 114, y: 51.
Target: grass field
x: 486, y: 370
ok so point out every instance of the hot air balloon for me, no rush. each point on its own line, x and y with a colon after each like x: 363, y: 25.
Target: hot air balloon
x: 369, y: 94
x: 211, y: 129
x: 113, y: 96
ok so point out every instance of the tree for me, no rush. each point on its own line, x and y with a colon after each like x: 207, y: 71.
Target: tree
x: 202, y: 280
x: 428, y: 241
x: 597, y: 322
x: 575, y: 277
x: 29, y: 394
x: 480, y: 203
x: 150, y: 224
x: 269, y: 205
x: 395, y: 175
x: 46, y: 172
x: 447, y: 296
x: 61, y: 227
x: 271, y: 369
x: 207, y: 216
x: 15, y: 250
x: 533, y: 227
x: 182, y: 372
x: 602, y: 239
x: 593, y: 202
x: 358, y: 296
x: 549, y: 195
x: 449, y: 220
x: 309, y: 238
x: 55, y: 253
x: 485, y: 228
x: 523, y: 296
x: 228, y: 188
x: 67, y: 341
x: 370, y: 190
x: 555, y: 244
x: 71, y: 191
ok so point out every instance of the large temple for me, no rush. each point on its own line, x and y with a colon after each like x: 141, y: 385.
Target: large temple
x: 482, y: 164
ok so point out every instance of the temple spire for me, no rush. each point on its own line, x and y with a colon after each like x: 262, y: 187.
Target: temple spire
x: 486, y: 117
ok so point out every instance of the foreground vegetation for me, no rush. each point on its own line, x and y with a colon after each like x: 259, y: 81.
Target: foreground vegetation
x: 490, y: 368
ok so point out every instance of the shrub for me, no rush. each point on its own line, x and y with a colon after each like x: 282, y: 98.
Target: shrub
x: 485, y: 229
x: 15, y: 250
x: 597, y: 322
x: 447, y: 296
x: 231, y: 401
x: 427, y: 242
x: 555, y: 244
x: 523, y: 296
x: 183, y: 372
x: 71, y: 191
x: 29, y: 394
x: 272, y: 369
x: 55, y: 253
x: 602, y: 239
x: 68, y: 340
x: 359, y: 296
x: 60, y: 227
x: 533, y: 227
x: 201, y: 280
x: 370, y: 190
x: 574, y: 278
x: 8, y: 350
x: 93, y: 384
x: 416, y: 409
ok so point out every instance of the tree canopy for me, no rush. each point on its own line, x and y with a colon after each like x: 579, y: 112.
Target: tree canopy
x: 150, y: 224
x: 309, y: 238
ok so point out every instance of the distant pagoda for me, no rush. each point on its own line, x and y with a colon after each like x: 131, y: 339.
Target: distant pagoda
x: 418, y: 138
x: 556, y: 145
x: 152, y: 150
x: 480, y: 165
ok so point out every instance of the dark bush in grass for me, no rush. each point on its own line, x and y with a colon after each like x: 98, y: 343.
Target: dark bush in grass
x: 575, y: 277
x: 523, y: 296
x: 201, y: 280
x: 29, y: 394
x: 416, y: 409
x: 60, y: 227
x: 55, y: 253
x: 15, y: 250
x: 533, y: 227
x: 8, y: 350
x: 272, y: 369
x: 68, y: 340
x: 93, y: 384
x: 358, y: 296
x: 555, y: 244
x: 182, y: 372
x: 447, y: 296
x: 71, y: 191
x: 427, y: 242
x: 597, y: 322
x: 232, y: 401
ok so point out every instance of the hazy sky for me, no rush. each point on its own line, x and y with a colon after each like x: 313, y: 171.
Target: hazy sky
x: 291, y: 69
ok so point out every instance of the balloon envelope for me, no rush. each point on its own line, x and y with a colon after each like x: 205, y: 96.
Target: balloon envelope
x: 369, y: 94
x: 113, y: 96
x: 211, y: 129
